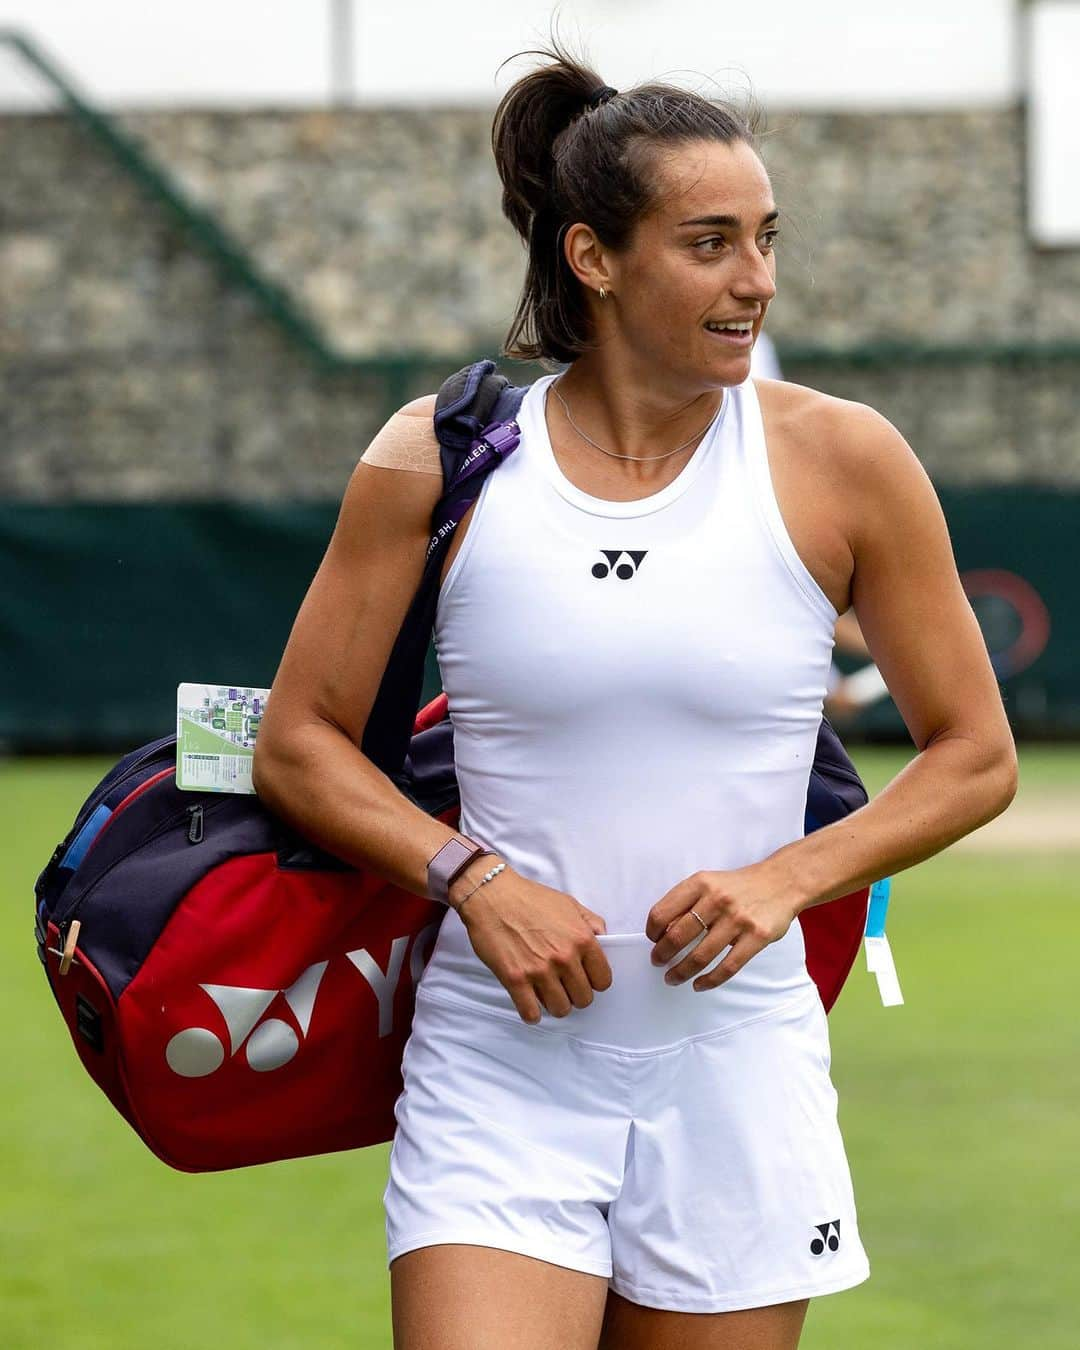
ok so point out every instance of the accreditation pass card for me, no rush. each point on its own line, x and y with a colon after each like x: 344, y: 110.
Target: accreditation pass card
x: 216, y: 727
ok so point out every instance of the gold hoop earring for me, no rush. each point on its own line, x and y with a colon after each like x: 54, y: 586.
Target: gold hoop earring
x: 603, y: 293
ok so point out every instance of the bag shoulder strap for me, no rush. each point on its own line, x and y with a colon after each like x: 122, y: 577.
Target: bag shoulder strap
x: 471, y: 401
x: 468, y: 401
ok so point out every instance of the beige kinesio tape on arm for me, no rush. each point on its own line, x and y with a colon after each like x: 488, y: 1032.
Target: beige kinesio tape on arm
x: 405, y: 443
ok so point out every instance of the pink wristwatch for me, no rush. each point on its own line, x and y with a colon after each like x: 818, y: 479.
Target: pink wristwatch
x: 454, y: 856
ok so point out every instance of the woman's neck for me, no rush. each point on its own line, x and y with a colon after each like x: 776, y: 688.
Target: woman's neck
x: 629, y: 416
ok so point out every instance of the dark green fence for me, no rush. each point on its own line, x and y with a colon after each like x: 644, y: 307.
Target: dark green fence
x: 105, y: 608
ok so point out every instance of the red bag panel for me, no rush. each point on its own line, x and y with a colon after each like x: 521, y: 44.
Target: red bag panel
x: 264, y: 1025
x: 88, y: 1009
x: 832, y: 933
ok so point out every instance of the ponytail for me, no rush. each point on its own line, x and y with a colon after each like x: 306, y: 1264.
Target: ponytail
x: 569, y: 148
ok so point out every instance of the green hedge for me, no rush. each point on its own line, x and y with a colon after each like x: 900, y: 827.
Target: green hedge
x: 105, y: 608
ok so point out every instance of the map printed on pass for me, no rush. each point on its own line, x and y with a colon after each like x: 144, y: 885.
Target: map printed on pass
x: 216, y: 726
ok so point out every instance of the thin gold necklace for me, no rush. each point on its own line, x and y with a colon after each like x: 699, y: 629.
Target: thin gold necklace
x: 614, y: 453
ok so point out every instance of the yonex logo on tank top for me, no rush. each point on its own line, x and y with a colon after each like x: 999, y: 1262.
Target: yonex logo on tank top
x: 624, y: 570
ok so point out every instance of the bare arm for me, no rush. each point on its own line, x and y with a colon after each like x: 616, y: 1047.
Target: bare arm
x: 923, y: 636
x: 308, y: 767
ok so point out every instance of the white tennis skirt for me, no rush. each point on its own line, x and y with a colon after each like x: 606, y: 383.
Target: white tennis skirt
x: 697, y: 1168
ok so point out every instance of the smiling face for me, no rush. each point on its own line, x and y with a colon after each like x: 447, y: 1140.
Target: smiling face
x: 703, y: 256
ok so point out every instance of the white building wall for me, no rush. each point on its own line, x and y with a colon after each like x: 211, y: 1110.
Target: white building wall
x: 1054, y: 124
x: 833, y: 54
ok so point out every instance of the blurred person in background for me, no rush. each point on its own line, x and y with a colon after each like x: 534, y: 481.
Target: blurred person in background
x: 590, y: 1153
x: 847, y: 695
x: 764, y: 362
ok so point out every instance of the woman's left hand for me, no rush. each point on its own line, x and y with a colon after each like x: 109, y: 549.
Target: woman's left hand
x: 747, y: 908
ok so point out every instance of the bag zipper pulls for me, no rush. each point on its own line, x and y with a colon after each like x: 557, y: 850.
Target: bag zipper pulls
x: 195, y: 823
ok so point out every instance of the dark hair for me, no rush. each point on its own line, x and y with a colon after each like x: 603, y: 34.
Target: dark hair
x: 562, y: 160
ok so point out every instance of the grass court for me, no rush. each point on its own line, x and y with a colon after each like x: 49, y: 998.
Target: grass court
x: 959, y: 1110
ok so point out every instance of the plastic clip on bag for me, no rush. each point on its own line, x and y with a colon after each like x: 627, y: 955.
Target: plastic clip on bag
x: 242, y: 996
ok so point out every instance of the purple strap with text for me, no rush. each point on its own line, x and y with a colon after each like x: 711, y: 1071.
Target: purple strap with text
x: 495, y: 442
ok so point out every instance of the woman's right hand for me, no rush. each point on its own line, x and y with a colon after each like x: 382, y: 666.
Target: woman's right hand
x: 540, y: 943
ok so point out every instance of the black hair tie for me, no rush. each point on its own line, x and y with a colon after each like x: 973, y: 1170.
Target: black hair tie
x: 601, y: 95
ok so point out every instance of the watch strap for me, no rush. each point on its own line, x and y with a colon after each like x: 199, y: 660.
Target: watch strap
x: 454, y: 856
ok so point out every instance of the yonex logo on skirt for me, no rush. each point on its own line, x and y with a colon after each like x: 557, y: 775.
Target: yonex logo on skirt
x: 829, y: 1237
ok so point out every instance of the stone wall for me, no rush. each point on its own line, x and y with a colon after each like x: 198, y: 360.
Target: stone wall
x: 131, y: 370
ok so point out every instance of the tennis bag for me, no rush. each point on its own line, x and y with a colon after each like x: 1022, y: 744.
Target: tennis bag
x: 242, y: 996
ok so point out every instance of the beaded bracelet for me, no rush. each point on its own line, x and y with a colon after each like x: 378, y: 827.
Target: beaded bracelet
x: 486, y: 877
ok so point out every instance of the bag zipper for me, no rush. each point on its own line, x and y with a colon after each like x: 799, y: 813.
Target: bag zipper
x: 170, y: 823
x: 97, y: 799
x: 88, y: 810
x: 195, y: 823
x: 122, y: 805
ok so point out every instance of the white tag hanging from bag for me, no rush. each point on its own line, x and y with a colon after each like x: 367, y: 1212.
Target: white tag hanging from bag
x: 879, y: 957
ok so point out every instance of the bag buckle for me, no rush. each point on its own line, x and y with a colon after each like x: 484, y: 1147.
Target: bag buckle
x: 499, y: 434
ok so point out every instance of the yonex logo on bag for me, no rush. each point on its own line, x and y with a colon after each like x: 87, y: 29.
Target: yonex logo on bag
x: 624, y: 571
x: 830, y: 1237
x: 197, y: 1052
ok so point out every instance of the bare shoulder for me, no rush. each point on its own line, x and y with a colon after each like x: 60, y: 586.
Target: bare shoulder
x: 848, y: 442
x: 407, y: 440
x: 394, y: 485
x: 816, y: 419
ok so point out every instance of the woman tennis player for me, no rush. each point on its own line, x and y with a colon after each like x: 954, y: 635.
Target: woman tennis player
x: 617, y: 1127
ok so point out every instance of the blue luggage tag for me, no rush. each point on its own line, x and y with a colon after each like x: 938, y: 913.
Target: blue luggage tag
x: 879, y: 957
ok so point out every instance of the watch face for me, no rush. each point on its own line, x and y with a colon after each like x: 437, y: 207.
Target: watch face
x: 450, y: 859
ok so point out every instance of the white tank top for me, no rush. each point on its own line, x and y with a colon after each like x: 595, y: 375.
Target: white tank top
x: 635, y: 688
